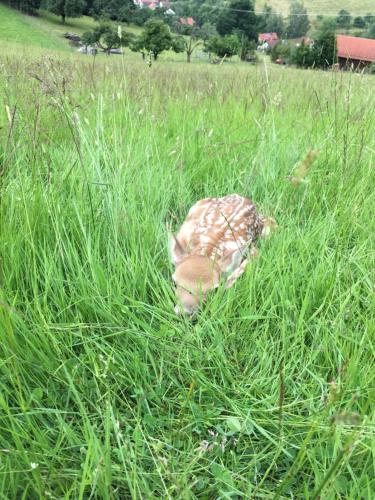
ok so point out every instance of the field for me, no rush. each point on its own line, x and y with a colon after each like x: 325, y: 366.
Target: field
x: 328, y: 8
x: 43, y: 31
x: 104, y: 392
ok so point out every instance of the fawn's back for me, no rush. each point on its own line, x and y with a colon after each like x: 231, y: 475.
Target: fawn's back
x: 215, y: 227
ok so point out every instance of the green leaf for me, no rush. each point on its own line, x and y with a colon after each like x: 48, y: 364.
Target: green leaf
x: 37, y: 394
x: 234, y: 424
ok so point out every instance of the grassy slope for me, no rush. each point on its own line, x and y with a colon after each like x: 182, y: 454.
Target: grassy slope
x: 35, y: 35
x: 44, y: 31
x: 324, y: 7
x: 103, y: 391
x: 18, y: 28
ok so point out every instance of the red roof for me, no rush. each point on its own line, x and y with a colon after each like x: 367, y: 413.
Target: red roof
x: 267, y: 37
x: 152, y: 4
x: 351, y: 47
x: 189, y: 21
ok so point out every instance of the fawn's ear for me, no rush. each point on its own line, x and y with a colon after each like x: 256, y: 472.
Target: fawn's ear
x: 269, y: 225
x: 176, y: 250
x: 230, y: 262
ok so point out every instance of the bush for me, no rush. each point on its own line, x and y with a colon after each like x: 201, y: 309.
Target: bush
x: 224, y: 46
x: 344, y: 19
x: 359, y: 22
x: 107, y: 37
x: 282, y: 51
x: 304, y: 56
x: 322, y: 54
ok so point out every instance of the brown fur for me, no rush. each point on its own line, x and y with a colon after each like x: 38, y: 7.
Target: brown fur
x: 212, y: 244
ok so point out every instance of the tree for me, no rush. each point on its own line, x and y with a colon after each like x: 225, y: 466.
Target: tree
x: 238, y: 17
x: 137, y: 45
x: 224, y: 46
x: 107, y: 37
x: 117, y: 10
x: 89, y: 38
x: 262, y: 18
x: 246, y: 48
x: 187, y: 44
x: 156, y: 38
x: 371, y: 32
x: 275, y: 23
x: 325, y: 46
x: 298, y: 21
x: 370, y: 19
x: 66, y: 8
x: 304, y: 56
x: 269, y: 21
x: 323, y: 53
x: 344, y: 19
x: 206, y: 14
x: 141, y: 16
x: 206, y: 31
x: 282, y: 51
x: 359, y: 22
x: 26, y: 6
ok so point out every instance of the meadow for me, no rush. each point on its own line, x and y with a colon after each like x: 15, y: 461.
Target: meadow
x: 104, y: 392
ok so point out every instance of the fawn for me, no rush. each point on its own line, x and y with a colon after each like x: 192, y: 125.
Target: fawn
x: 214, y: 244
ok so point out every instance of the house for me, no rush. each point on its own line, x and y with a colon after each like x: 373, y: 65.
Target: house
x: 187, y: 21
x: 153, y: 4
x: 355, y: 52
x: 304, y: 40
x: 268, y: 40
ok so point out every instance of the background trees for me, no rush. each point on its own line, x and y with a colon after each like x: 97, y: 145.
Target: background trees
x: 323, y: 53
x: 156, y: 38
x: 238, y: 17
x: 268, y: 21
x: 224, y: 46
x: 189, y: 42
x: 26, y: 6
x: 344, y: 19
x: 107, y: 37
x: 298, y: 21
x: 66, y: 8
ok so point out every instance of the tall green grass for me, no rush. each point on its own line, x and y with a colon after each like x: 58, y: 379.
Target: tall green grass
x: 104, y: 392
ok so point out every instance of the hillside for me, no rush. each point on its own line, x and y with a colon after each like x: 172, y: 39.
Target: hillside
x: 42, y: 31
x: 323, y: 7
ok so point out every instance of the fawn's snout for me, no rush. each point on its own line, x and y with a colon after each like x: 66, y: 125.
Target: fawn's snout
x: 194, y: 277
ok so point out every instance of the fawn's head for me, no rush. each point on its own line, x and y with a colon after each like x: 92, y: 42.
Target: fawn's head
x: 196, y: 275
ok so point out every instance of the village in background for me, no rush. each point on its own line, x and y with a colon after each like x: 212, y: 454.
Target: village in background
x: 217, y: 32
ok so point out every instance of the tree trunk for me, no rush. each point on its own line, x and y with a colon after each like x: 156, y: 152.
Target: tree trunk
x: 63, y: 18
x: 188, y: 56
x: 155, y: 56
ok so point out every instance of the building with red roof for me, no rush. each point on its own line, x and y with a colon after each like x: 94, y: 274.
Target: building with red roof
x: 269, y: 39
x: 153, y: 4
x: 187, y: 21
x: 355, y: 51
